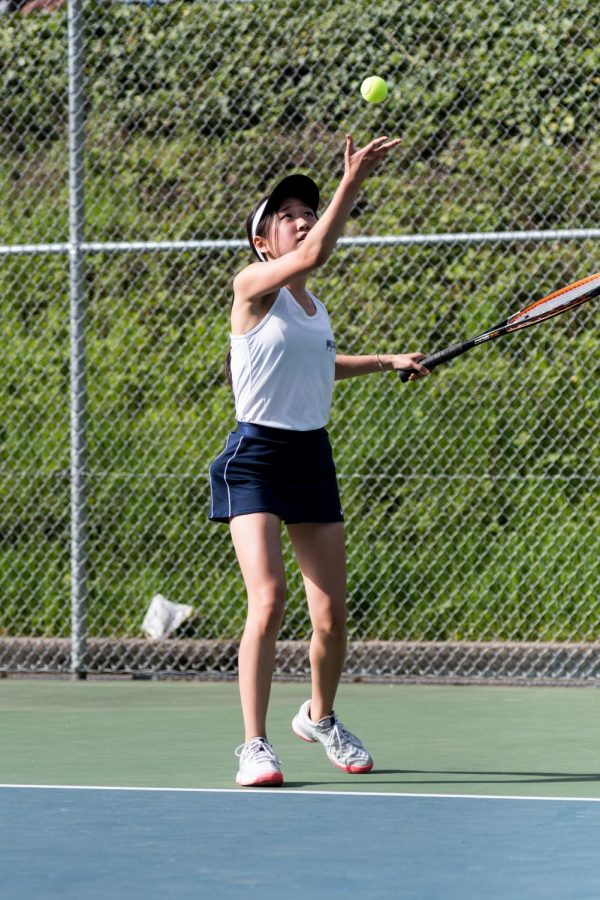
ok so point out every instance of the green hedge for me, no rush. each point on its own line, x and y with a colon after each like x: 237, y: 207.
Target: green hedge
x: 197, y: 104
x: 191, y: 110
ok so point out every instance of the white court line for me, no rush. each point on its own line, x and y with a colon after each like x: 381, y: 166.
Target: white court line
x: 270, y: 792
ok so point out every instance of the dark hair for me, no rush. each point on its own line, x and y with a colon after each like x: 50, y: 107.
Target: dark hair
x: 227, y: 368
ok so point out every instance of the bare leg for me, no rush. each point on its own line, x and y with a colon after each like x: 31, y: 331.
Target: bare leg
x: 321, y: 554
x: 257, y: 541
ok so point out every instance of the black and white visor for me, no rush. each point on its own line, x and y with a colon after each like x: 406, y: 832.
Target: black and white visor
x: 301, y: 187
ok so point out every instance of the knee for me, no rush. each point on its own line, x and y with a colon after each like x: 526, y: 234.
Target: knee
x: 265, y: 607
x: 330, y: 624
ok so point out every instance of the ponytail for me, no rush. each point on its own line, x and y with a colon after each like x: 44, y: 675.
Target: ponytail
x: 227, y: 369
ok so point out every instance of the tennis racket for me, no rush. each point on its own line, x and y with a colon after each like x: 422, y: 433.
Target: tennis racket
x: 560, y: 301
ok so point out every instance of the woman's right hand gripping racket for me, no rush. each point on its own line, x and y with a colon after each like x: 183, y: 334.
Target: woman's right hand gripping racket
x: 560, y: 301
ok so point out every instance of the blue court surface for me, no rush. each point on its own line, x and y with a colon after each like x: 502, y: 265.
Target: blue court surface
x: 151, y: 843
x: 127, y: 791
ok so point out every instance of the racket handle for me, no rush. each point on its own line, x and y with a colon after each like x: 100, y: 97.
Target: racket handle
x: 442, y: 356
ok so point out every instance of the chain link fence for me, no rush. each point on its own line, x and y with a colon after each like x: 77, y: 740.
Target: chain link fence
x: 471, y: 498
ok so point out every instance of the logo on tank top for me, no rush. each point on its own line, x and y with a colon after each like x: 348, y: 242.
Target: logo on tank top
x: 330, y: 345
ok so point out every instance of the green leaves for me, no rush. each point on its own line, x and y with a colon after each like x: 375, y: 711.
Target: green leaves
x: 191, y: 110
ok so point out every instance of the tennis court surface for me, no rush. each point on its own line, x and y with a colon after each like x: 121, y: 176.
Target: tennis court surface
x: 126, y: 789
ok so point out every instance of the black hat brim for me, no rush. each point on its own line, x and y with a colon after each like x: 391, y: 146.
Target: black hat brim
x: 301, y: 187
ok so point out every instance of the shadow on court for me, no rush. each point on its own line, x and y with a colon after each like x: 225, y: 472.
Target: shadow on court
x: 488, y: 777
x: 424, y: 739
x: 407, y: 778
x: 127, y: 790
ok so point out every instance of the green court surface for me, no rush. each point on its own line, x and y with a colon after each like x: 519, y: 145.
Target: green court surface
x: 501, y: 741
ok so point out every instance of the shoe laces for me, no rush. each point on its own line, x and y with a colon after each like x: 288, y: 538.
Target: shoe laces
x: 259, y: 750
x: 341, y: 739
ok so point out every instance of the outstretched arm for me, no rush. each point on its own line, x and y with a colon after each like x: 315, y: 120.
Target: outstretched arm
x: 358, y: 165
x: 351, y: 366
x: 260, y: 279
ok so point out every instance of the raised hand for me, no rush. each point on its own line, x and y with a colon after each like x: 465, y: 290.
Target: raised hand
x: 359, y: 163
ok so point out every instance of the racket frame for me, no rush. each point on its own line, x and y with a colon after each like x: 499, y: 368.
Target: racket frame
x: 584, y: 290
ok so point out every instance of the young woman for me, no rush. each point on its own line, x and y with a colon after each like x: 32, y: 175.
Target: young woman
x: 278, y: 467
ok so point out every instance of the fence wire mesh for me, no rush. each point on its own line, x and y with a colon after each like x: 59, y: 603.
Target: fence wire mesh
x: 471, y: 499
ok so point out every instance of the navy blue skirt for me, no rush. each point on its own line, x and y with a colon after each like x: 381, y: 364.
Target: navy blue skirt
x: 288, y: 473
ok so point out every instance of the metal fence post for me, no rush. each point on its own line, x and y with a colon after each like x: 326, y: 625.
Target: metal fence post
x: 77, y: 337
x: 188, y: 110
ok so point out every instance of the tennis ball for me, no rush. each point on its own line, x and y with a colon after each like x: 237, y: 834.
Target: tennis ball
x: 374, y: 89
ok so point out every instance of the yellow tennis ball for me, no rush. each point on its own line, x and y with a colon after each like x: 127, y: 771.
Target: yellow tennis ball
x: 374, y: 89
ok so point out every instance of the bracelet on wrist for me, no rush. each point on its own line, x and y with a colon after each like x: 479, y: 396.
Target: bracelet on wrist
x: 381, y: 366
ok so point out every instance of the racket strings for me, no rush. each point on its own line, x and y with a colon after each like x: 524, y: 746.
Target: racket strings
x: 558, y: 302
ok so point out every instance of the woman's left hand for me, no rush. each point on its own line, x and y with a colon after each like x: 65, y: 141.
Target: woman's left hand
x: 406, y: 362
x: 360, y: 162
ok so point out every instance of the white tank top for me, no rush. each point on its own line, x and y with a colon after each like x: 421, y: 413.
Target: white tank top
x: 282, y: 370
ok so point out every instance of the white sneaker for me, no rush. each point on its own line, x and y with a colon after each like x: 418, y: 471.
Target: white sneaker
x: 341, y: 746
x: 259, y: 767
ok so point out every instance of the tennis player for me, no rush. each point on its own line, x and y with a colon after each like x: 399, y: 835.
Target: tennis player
x: 277, y: 466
